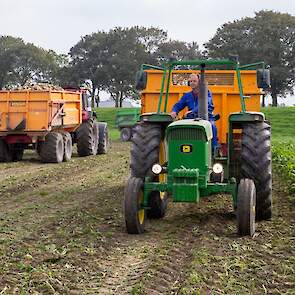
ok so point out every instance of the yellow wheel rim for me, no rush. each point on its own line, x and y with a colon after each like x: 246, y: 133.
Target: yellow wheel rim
x: 140, y: 212
x: 162, y: 160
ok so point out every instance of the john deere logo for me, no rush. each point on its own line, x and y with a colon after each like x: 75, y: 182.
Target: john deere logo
x: 186, y: 148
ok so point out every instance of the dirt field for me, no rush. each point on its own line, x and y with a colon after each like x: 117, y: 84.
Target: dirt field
x: 62, y: 232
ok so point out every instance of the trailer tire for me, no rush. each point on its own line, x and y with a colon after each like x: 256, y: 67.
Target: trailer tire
x: 52, y: 149
x: 133, y: 197
x: 246, y: 205
x: 126, y: 134
x: 87, y: 136
x: 103, y: 142
x: 256, y: 165
x: 68, y: 146
x: 145, y: 148
x: 17, y: 154
x: 5, y: 152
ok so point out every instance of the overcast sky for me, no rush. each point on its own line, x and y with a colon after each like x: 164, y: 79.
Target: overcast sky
x: 59, y: 24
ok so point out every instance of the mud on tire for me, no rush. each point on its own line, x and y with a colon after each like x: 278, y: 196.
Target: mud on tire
x: 68, y: 147
x: 125, y: 134
x: 133, y: 197
x: 256, y: 165
x: 52, y: 149
x: 246, y: 207
x: 104, y: 142
x: 145, y: 148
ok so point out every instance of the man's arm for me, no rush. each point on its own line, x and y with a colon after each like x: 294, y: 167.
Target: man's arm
x: 180, y: 105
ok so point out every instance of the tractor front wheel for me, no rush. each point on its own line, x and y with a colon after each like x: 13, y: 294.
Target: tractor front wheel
x: 246, y: 207
x: 133, y: 199
x: 158, y: 204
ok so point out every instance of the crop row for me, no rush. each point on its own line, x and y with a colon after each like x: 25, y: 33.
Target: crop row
x: 283, y: 156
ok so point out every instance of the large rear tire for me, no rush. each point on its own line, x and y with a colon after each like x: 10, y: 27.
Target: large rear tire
x: 104, y: 141
x: 256, y: 165
x: 246, y: 207
x: 133, y: 198
x: 52, y: 149
x: 145, y: 148
x: 87, y: 138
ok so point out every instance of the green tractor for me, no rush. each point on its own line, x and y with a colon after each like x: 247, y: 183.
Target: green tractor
x: 174, y: 158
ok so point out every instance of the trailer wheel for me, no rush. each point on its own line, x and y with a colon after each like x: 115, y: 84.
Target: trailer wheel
x: 256, y: 165
x: 87, y: 135
x: 246, y: 207
x: 145, y: 148
x: 68, y: 147
x: 133, y: 198
x: 52, y: 149
x: 104, y: 142
x: 5, y: 152
x: 126, y: 134
x: 17, y: 154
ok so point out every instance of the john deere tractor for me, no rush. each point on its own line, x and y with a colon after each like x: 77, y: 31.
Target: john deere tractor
x: 174, y: 158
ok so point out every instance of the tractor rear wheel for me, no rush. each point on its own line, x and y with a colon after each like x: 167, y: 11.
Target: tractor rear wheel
x: 126, y: 134
x: 5, y: 152
x: 256, y: 165
x: 87, y: 138
x: 145, y: 148
x: 52, y: 149
x: 104, y: 142
x: 133, y: 199
x: 246, y: 207
x: 68, y: 147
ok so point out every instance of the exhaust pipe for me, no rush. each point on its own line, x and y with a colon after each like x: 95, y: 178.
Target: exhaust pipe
x: 203, y: 96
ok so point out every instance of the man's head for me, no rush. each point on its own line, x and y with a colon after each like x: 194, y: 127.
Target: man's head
x: 194, y: 82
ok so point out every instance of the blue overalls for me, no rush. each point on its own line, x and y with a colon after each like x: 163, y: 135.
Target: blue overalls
x: 190, y: 100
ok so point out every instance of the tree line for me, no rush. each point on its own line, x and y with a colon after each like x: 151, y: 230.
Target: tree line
x: 110, y: 59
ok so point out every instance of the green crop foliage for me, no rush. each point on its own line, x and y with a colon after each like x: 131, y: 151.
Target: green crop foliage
x: 283, y: 143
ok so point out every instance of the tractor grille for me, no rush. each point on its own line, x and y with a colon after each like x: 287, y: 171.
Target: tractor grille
x: 187, y: 134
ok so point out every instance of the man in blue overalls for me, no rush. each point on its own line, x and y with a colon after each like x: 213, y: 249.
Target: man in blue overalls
x: 190, y: 100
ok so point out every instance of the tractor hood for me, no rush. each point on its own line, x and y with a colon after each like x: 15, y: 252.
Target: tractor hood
x: 199, y: 124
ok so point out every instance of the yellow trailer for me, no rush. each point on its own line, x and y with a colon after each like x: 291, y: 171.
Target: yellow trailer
x: 49, y: 121
x: 222, y: 83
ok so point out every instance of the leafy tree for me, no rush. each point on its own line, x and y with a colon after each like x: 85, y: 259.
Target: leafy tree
x: 109, y: 60
x: 269, y: 37
x: 177, y: 49
x: 22, y: 62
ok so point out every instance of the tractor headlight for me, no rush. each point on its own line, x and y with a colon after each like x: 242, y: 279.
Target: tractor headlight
x: 157, y: 169
x: 217, y: 168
